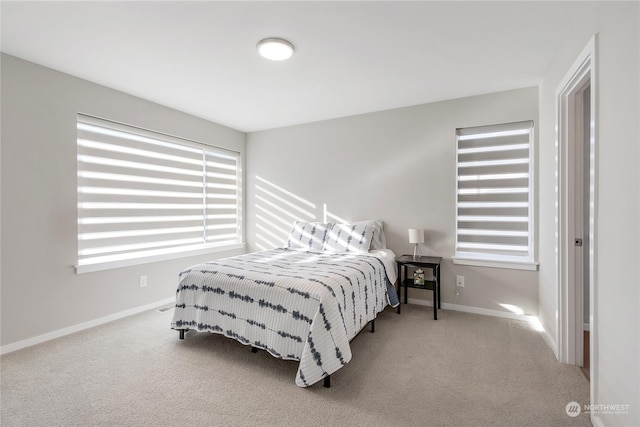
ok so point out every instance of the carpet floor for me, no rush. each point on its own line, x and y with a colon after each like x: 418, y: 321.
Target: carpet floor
x: 461, y: 370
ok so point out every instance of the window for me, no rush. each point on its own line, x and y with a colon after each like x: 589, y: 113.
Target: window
x: 145, y: 196
x: 494, y: 201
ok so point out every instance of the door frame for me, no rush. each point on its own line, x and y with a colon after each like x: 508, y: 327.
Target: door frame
x: 570, y: 296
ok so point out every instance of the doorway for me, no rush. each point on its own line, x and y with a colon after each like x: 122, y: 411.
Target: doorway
x: 575, y: 215
x: 581, y: 161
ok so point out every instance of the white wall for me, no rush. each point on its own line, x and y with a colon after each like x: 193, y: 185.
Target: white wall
x: 617, y: 209
x: 396, y: 165
x: 41, y: 293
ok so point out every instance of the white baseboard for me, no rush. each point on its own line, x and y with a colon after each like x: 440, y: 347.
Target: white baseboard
x: 110, y: 318
x: 475, y: 310
x: 82, y: 326
x: 550, y: 342
x: 533, y: 320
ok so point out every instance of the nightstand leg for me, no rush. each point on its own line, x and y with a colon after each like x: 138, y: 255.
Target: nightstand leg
x: 406, y: 288
x: 435, y: 301
x: 439, y: 290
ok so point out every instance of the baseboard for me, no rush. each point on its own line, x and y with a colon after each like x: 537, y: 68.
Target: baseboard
x: 533, y: 320
x: 474, y: 310
x: 550, y: 342
x: 81, y: 326
x: 110, y: 318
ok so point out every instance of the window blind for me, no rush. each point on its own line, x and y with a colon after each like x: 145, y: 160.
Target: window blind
x: 494, y: 216
x: 144, y: 194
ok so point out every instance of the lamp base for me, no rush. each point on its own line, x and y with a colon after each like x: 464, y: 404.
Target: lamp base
x: 416, y: 252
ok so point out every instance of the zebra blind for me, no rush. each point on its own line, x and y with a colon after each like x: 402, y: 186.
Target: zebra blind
x: 494, y: 216
x: 143, y: 195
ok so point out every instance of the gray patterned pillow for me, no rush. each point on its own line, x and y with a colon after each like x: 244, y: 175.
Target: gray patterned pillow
x: 308, y: 236
x: 378, y: 241
x: 349, y: 238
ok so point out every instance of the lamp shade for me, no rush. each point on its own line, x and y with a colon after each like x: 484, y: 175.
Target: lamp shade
x: 416, y: 235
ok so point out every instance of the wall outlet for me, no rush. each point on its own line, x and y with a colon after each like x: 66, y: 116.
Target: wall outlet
x: 460, y: 281
x: 143, y: 281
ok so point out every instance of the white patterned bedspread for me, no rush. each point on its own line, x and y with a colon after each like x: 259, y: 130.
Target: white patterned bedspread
x: 296, y: 305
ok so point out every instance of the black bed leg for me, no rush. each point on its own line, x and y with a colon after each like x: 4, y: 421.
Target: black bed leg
x: 254, y: 349
x: 182, y: 334
x: 373, y: 325
x: 327, y: 381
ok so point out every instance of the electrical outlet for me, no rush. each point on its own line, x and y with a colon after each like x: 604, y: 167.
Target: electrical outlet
x: 460, y: 281
x: 143, y: 281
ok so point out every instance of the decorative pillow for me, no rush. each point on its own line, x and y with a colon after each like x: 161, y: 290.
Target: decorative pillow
x: 349, y: 238
x: 308, y: 236
x: 378, y: 241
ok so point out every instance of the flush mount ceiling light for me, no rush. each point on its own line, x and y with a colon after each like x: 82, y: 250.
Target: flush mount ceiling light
x: 275, y: 49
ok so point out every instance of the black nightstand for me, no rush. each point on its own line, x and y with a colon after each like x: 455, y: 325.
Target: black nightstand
x: 431, y: 262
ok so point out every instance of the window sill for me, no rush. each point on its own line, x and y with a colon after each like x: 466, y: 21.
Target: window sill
x: 531, y: 266
x: 88, y: 268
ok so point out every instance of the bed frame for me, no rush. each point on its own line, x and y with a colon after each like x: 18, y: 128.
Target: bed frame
x: 327, y: 379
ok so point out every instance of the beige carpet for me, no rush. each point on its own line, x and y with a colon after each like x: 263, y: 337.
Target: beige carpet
x: 461, y: 370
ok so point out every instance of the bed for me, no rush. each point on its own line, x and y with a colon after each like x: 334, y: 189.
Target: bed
x: 302, y: 302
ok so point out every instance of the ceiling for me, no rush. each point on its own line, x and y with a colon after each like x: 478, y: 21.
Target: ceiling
x: 351, y: 57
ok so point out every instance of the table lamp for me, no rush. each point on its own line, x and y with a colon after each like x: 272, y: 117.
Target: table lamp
x: 416, y: 236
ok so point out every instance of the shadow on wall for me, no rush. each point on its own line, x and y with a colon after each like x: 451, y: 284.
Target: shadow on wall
x: 276, y: 209
x: 331, y: 217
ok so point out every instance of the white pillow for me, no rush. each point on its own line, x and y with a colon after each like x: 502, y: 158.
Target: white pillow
x: 378, y: 241
x: 349, y: 238
x: 308, y: 236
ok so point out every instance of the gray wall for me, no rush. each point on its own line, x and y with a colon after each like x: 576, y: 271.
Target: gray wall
x: 41, y: 293
x: 617, y: 251
x: 396, y: 165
